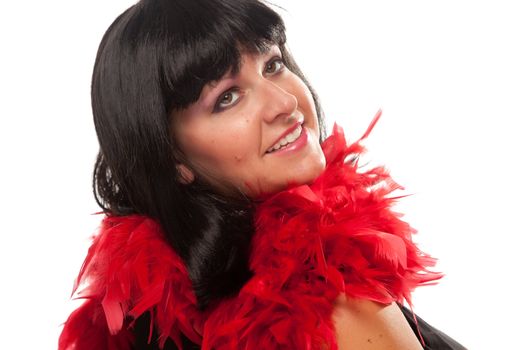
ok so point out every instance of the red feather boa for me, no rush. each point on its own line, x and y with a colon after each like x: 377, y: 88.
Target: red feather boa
x: 312, y: 242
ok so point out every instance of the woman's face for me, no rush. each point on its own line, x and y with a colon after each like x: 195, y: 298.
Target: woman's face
x: 256, y: 130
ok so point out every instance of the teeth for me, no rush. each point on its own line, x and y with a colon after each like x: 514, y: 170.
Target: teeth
x: 291, y: 137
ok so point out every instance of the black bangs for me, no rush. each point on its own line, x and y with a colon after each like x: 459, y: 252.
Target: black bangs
x: 199, y: 41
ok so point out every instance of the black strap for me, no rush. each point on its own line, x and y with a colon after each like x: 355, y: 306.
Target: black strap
x: 434, y: 338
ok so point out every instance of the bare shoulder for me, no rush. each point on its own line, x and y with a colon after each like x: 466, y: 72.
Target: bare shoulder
x: 367, y: 325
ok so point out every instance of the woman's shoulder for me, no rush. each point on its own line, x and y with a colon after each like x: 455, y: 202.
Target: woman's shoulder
x: 365, y: 324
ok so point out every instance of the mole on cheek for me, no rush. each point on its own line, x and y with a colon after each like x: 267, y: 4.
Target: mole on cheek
x: 238, y: 158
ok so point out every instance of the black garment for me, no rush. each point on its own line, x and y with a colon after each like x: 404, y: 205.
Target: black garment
x: 141, y: 332
x: 434, y: 338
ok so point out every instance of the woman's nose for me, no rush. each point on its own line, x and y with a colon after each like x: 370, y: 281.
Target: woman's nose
x: 278, y: 101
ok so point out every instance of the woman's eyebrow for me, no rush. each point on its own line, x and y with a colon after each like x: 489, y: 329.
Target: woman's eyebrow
x: 270, y: 52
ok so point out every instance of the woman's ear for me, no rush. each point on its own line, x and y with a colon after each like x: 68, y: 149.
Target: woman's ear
x: 186, y: 175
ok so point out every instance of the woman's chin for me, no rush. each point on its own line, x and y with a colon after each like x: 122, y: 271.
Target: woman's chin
x: 304, y: 174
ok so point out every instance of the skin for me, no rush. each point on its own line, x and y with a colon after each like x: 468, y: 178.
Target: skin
x: 367, y: 325
x: 226, y: 134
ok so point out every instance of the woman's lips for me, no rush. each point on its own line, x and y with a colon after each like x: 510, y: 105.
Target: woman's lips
x: 295, y: 145
x: 287, y: 137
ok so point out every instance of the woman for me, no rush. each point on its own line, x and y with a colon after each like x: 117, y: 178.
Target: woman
x: 227, y: 224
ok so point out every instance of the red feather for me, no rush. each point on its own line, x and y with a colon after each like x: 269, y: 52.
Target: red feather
x: 312, y: 242
x: 130, y: 269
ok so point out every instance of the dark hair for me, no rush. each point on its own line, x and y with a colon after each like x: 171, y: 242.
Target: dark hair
x: 155, y: 59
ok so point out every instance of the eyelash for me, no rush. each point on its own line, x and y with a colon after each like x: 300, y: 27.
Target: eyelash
x: 218, y: 108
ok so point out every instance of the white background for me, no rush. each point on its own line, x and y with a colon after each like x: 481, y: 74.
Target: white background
x: 449, y: 76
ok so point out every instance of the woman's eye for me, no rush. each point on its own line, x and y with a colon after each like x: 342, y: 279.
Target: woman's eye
x: 226, y: 100
x: 274, y: 66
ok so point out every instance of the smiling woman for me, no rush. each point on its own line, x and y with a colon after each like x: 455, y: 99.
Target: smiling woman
x: 232, y: 222
x: 255, y: 131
